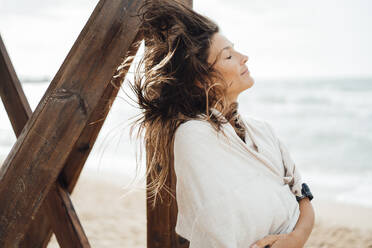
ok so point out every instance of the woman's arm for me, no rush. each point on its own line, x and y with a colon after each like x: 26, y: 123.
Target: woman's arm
x: 305, y: 223
x: 298, y: 237
x: 301, y: 232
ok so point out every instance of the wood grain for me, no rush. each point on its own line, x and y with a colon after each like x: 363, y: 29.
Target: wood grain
x: 11, y: 92
x: 48, y: 138
x: 161, y: 220
x: 69, y: 227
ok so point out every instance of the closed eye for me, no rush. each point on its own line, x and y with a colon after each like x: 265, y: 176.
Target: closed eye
x: 228, y: 57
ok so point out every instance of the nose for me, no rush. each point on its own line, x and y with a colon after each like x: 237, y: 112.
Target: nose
x: 245, y: 59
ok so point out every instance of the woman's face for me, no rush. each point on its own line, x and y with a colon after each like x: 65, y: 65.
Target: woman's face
x: 231, y: 64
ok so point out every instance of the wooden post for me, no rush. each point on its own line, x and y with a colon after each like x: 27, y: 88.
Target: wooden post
x: 11, y: 93
x: 40, y: 236
x: 161, y: 220
x: 48, y: 138
x: 11, y: 90
x: 65, y: 223
x: 45, y: 163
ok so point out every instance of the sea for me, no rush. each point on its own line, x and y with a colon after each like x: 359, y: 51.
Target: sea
x: 326, y: 122
x: 326, y: 125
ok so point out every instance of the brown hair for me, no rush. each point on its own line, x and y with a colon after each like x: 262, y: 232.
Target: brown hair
x: 177, y: 84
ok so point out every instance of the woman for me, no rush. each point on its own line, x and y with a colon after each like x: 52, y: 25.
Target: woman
x: 235, y: 190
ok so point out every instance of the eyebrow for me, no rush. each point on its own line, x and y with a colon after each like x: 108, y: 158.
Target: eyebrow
x: 225, y: 48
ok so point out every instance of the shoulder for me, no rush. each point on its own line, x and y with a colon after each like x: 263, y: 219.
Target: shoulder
x: 197, y: 126
x: 195, y: 131
x: 259, y: 124
x: 255, y: 121
x: 194, y: 123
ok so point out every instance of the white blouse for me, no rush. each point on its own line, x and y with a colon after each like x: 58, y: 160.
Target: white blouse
x: 228, y: 194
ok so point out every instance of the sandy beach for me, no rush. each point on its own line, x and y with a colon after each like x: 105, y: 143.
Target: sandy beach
x: 111, y: 220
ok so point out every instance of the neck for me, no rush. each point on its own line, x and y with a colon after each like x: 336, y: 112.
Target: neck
x: 234, y: 118
x: 232, y: 111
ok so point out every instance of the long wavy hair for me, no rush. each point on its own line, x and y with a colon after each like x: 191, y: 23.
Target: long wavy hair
x: 176, y: 84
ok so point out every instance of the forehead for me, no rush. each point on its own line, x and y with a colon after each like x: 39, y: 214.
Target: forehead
x: 219, y: 44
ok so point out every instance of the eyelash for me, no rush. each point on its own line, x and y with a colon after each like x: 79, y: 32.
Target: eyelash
x: 229, y: 57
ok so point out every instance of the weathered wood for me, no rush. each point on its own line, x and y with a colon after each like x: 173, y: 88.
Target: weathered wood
x: 70, y: 225
x: 11, y: 93
x: 161, y: 220
x: 39, y: 226
x: 44, y: 146
x: 19, y: 112
x: 84, y: 144
x: 65, y: 224
x: 75, y: 162
x: 177, y: 240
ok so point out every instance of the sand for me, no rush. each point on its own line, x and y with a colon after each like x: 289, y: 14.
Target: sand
x: 110, y: 220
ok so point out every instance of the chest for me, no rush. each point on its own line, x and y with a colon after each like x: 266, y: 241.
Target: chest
x: 258, y: 141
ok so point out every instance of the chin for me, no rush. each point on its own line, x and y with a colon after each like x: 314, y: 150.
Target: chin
x: 252, y: 79
x: 249, y: 83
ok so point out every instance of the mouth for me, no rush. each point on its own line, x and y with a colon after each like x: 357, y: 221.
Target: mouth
x: 245, y: 71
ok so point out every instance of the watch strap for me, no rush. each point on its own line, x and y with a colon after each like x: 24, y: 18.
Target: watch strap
x: 305, y: 190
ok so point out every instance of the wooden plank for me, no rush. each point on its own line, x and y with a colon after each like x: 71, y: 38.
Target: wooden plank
x: 75, y: 162
x: 69, y: 224
x: 40, y: 225
x: 11, y: 93
x: 161, y: 220
x: 67, y: 233
x: 19, y: 112
x: 88, y: 137
x: 43, y: 147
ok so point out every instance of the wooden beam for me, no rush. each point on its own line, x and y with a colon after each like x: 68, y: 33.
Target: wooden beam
x: 87, y: 138
x: 75, y: 162
x: 161, y: 220
x: 70, y: 227
x: 44, y: 146
x: 65, y: 221
x: 11, y: 93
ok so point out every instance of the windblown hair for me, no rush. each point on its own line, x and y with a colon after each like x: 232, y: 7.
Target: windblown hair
x: 177, y: 83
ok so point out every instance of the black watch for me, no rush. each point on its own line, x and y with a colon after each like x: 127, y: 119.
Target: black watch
x: 305, y: 193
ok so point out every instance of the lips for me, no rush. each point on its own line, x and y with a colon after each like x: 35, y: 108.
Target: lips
x: 244, y: 71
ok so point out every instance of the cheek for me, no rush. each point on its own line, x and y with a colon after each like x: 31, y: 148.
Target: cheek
x: 229, y: 72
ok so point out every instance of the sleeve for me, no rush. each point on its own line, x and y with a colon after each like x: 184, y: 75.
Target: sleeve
x: 202, y: 217
x: 292, y: 175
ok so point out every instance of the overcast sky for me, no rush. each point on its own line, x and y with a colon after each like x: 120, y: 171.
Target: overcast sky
x: 298, y: 38
x: 283, y: 39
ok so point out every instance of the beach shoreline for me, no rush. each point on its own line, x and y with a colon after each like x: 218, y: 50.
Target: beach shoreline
x: 111, y: 220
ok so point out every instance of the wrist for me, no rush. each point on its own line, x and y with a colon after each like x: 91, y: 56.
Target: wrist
x: 305, y: 193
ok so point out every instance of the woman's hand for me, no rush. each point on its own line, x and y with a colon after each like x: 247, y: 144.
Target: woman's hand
x: 283, y: 240
x: 270, y: 240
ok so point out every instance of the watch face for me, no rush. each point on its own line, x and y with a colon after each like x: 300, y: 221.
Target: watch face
x: 306, y: 191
